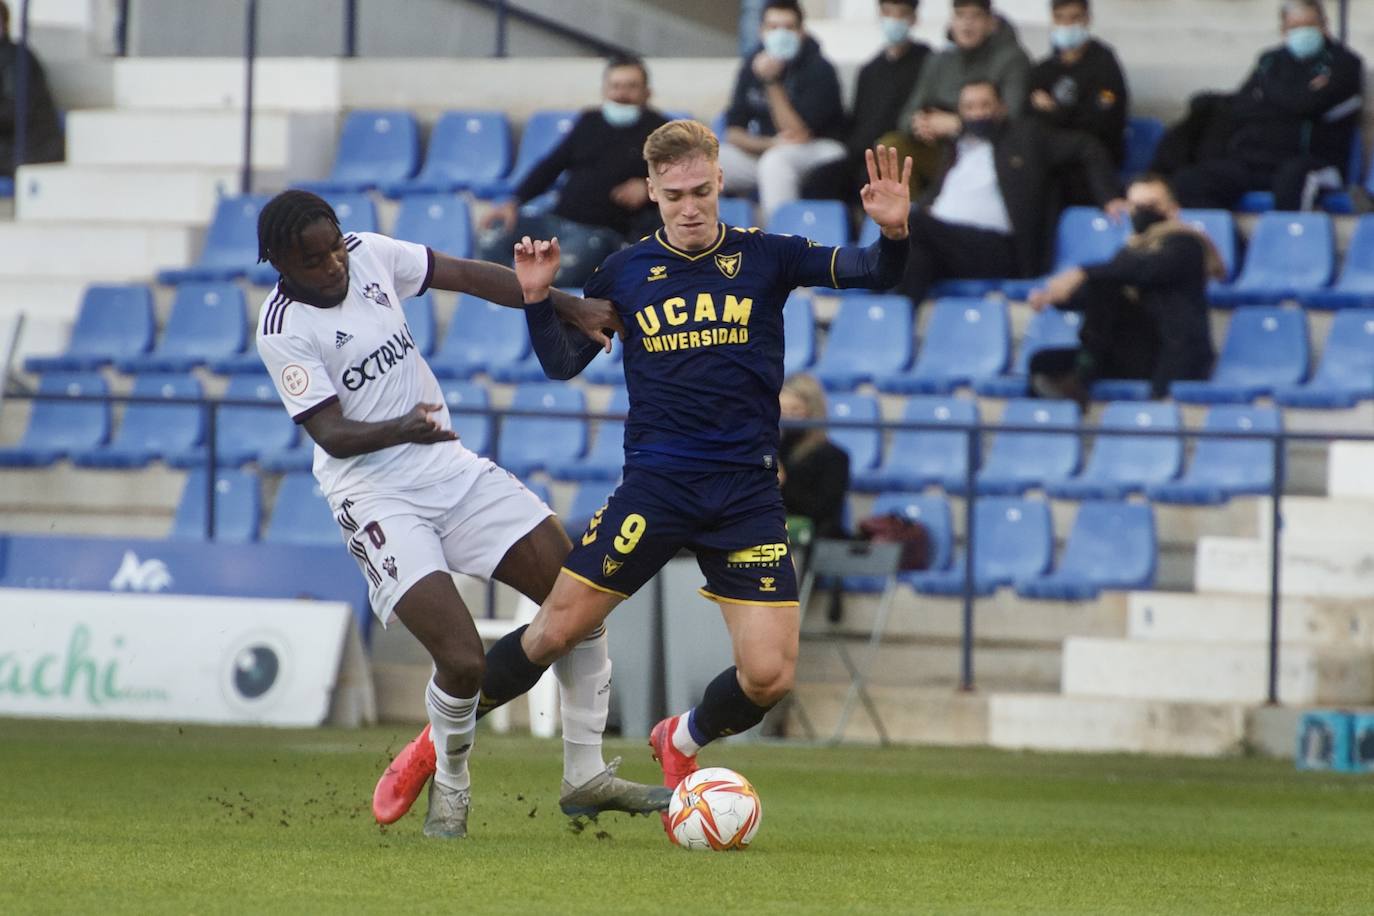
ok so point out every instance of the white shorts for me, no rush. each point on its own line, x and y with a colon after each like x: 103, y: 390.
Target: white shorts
x: 465, y: 524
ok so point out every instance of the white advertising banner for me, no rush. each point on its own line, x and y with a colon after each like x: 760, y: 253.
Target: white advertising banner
x: 87, y: 655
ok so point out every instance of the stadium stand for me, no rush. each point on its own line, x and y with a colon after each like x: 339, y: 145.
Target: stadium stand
x: 799, y: 329
x: 604, y: 369
x: 356, y: 211
x: 1266, y: 348
x: 529, y: 444
x: 1142, y: 139
x: 420, y: 318
x: 481, y: 336
x: 1085, y: 235
x: 919, y: 458
x: 606, y: 456
x: 300, y: 515
x: 1112, y: 546
x: 1220, y: 227
x: 1049, y: 329
x: 825, y: 222
x: 1354, y: 288
x: 466, y: 148
x: 863, y: 445
x: 244, y: 434
x: 1120, y: 464
x: 966, y: 341
x: 57, y: 430
x: 589, y: 497
x: 1345, y: 375
x: 1290, y: 256
x: 231, y: 244
x: 209, y: 321
x: 1225, y: 468
x: 543, y: 131
x: 148, y: 432
x: 1013, y: 540
x: 870, y: 337
x: 930, y: 512
x: 737, y: 211
x: 1018, y: 462
x: 114, y: 322
x: 375, y: 148
x: 441, y: 221
x: 238, y: 506
x: 473, y: 429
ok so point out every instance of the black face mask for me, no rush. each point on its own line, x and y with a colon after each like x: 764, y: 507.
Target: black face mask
x: 1142, y: 218
x: 982, y: 128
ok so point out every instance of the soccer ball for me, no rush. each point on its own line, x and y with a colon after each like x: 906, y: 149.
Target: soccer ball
x: 714, y: 808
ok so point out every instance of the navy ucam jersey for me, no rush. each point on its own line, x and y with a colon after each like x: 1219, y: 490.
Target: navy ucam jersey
x: 704, y: 337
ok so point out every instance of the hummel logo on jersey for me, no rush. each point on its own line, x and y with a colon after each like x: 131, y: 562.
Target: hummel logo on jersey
x: 374, y: 292
x: 659, y: 272
x: 340, y: 338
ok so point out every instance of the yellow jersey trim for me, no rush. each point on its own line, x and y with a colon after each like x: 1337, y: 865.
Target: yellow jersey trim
x: 590, y: 584
x: 721, y: 599
x: 834, y: 254
x: 720, y: 240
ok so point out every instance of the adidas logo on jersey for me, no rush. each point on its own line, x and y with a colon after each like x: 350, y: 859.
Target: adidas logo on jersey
x: 340, y: 338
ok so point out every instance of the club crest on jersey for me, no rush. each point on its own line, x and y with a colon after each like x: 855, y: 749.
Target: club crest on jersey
x: 729, y: 264
x: 389, y: 564
x: 657, y: 272
x: 374, y: 292
x: 610, y: 567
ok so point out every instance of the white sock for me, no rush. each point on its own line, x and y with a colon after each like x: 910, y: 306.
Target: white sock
x: 682, y: 736
x: 584, y: 681
x: 453, y: 722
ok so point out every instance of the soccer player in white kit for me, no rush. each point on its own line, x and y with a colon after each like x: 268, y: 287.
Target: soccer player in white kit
x: 411, y: 501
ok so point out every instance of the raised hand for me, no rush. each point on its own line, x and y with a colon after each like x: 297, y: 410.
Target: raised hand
x: 595, y: 318
x: 536, y: 265
x: 887, y: 196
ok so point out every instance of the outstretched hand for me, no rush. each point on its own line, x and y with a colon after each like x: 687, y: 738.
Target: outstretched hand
x: 536, y: 265
x: 887, y: 196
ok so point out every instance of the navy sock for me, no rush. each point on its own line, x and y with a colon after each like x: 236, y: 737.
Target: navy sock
x: 724, y: 709
x: 509, y: 673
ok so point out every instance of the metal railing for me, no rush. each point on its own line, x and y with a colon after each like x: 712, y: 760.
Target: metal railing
x: 973, y: 432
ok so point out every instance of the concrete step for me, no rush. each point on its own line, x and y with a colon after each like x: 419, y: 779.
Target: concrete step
x: 1318, y: 517
x: 1210, y: 617
x: 116, y: 194
x: 926, y: 663
x: 1316, y: 568
x: 910, y: 715
x: 109, y: 251
x: 1351, y: 471
x: 64, y: 487
x: 1214, y: 672
x: 207, y: 84
x: 1048, y: 722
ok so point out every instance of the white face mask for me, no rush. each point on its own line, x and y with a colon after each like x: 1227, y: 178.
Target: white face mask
x: 895, y: 29
x: 1069, y: 37
x: 784, y: 44
x: 619, y: 114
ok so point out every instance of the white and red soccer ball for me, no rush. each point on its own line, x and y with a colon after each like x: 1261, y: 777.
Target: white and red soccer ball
x: 716, y: 809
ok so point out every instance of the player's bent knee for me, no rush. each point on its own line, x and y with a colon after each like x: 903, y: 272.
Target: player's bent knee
x: 767, y: 680
x: 461, y: 667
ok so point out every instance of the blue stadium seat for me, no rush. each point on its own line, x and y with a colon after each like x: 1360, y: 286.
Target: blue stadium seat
x: 300, y: 457
x: 799, y: 332
x: 604, y: 369
x: 606, y: 457
x: 863, y: 445
x: 540, y: 491
x: 1346, y: 373
x: 737, y: 211
x: 6, y: 187
x: 237, y: 507
x: 244, y: 434
x: 543, y: 131
x: 868, y: 233
x: 481, y: 336
x: 1018, y: 462
x: 115, y: 322
x: 209, y: 321
x: 921, y: 458
x: 1121, y: 465
x: 246, y: 363
x: 1112, y: 547
x: 424, y: 328
x: 56, y: 429
x: 1013, y: 540
x: 1120, y: 389
x: 1266, y: 348
x: 375, y: 148
x: 355, y: 210
x: 1220, y: 227
x: 1330, y: 201
x: 473, y: 429
x: 530, y: 444
x: 301, y: 514
x: 1223, y: 468
x: 825, y: 222
x: 587, y: 499
x: 441, y: 221
x: 932, y: 513
x: 1086, y: 235
x: 1354, y: 288
x: 465, y: 148
x: 1050, y: 329
x: 1142, y: 139
x: 1291, y: 255
x: 231, y: 243
x: 966, y: 341
x: 870, y: 337
x: 152, y: 431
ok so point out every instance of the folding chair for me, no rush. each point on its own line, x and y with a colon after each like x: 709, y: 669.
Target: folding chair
x: 839, y: 559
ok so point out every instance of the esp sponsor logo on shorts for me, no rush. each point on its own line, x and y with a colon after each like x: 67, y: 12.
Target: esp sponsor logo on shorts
x: 762, y: 555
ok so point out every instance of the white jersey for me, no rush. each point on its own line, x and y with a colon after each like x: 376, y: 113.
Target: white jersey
x: 360, y: 354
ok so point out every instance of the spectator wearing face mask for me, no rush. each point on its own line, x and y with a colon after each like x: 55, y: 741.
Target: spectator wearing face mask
x: 883, y: 86
x: 1290, y: 124
x: 990, y: 215
x: 1145, y: 311
x: 786, y: 115
x: 605, y: 200
x: 1080, y: 87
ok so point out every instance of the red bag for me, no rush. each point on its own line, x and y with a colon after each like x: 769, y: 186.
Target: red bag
x: 890, y: 529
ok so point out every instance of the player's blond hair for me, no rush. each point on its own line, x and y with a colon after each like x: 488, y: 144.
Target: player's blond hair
x: 679, y: 140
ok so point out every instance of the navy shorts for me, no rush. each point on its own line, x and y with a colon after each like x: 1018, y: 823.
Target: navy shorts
x: 733, y: 521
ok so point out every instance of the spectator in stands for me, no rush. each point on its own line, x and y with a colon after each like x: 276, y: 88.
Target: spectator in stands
x: 1144, y: 312
x: 990, y: 213
x: 606, y: 198
x: 1080, y: 87
x: 44, y: 128
x: 814, y: 471
x: 884, y: 85
x: 985, y: 47
x: 1290, y: 124
x: 786, y: 115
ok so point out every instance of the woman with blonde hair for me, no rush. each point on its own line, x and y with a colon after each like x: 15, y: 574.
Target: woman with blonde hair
x: 815, y: 471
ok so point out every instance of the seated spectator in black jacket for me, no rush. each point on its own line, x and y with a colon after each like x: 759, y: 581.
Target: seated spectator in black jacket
x: 43, y: 127
x: 1291, y: 123
x: 991, y: 214
x: 786, y: 116
x: 605, y: 201
x: 1080, y: 87
x: 1144, y: 312
x: 814, y: 471
x: 884, y: 85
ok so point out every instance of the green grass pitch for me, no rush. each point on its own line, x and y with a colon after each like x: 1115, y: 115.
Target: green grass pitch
x: 116, y: 818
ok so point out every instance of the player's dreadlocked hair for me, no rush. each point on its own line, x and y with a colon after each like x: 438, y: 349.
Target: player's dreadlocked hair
x: 286, y: 216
